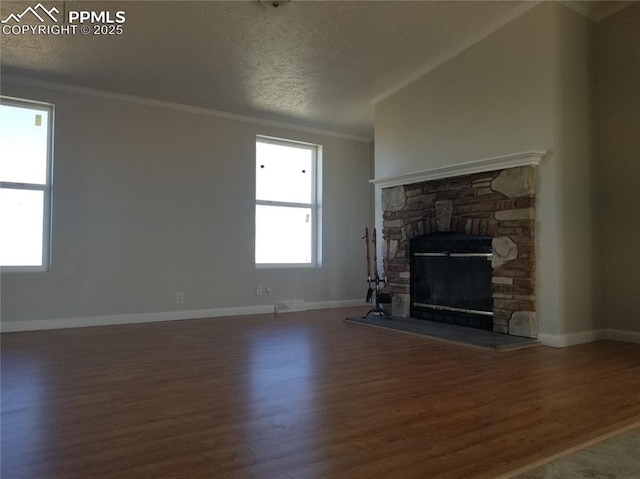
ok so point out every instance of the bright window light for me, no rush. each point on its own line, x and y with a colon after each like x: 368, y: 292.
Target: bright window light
x: 25, y: 184
x: 24, y: 144
x: 21, y: 212
x: 283, y: 235
x: 286, y: 203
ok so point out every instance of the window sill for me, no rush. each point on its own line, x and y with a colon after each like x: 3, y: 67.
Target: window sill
x: 286, y: 266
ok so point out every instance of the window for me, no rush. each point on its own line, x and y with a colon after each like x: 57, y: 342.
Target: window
x: 25, y: 184
x: 287, y: 212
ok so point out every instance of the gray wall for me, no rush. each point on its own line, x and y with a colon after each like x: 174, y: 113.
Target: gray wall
x: 619, y: 193
x: 149, y: 201
x: 493, y: 98
x: 528, y: 86
x: 575, y: 154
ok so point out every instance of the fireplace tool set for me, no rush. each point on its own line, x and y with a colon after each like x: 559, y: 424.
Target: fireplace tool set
x: 381, y: 297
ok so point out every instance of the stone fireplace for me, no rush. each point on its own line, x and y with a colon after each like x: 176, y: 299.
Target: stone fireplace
x: 498, y: 205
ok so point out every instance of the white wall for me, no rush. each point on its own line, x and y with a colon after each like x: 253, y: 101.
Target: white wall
x: 149, y: 201
x: 525, y: 87
x: 619, y: 194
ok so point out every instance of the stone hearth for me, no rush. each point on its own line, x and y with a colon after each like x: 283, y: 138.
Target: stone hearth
x: 500, y: 204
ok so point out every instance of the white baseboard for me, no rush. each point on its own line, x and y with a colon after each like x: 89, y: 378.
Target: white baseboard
x: 572, y: 339
x: 111, y: 320
x: 621, y: 335
x: 556, y: 341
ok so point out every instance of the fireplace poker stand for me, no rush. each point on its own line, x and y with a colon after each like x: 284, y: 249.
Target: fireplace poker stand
x: 380, y: 297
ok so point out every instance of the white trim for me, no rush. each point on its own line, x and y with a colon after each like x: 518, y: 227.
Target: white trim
x: 312, y: 206
x: 571, y: 339
x: 17, y: 80
x: 598, y: 11
x: 621, y: 335
x: 482, y: 165
x: 116, y: 319
x: 285, y: 265
x: 525, y: 7
x: 550, y: 340
x: 556, y: 341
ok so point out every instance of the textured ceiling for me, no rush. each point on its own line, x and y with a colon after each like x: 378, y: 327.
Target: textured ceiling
x: 319, y: 64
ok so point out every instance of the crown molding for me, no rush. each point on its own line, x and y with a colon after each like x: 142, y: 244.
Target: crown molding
x: 513, y: 160
x: 48, y: 85
x: 596, y: 10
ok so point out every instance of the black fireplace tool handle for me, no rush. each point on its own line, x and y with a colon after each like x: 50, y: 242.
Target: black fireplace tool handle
x: 366, y: 242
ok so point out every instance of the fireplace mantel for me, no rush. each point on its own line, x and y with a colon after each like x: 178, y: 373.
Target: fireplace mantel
x: 513, y: 160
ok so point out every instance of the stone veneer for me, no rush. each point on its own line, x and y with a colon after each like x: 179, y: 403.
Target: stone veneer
x: 500, y: 204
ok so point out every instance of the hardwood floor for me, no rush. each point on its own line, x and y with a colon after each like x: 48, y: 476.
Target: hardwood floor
x: 301, y: 395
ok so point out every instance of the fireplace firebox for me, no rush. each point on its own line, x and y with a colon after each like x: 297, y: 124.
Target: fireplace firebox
x: 451, y: 279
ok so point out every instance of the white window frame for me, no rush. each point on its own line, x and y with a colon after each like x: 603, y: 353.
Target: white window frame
x: 47, y: 188
x: 315, y: 205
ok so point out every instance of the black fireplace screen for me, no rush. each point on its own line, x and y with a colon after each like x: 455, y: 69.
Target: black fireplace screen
x: 451, y: 279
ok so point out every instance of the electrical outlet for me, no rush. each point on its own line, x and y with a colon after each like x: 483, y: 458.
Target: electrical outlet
x: 267, y: 289
x: 259, y: 290
x: 179, y: 297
